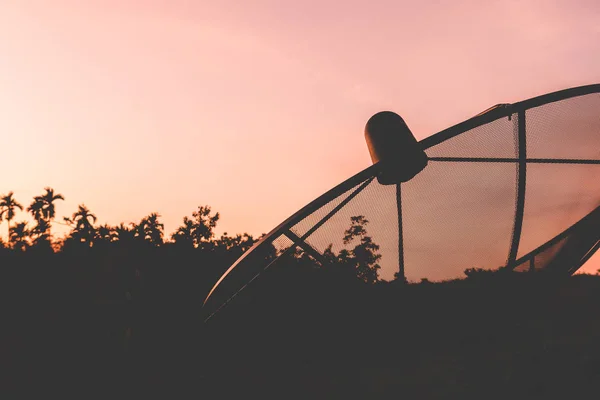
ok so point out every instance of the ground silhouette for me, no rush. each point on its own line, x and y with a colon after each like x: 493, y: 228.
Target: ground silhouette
x: 117, y: 311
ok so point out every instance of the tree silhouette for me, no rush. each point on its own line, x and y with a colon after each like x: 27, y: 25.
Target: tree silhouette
x: 83, y: 221
x: 106, y: 234
x: 8, y: 205
x: 329, y: 255
x: 240, y: 241
x: 43, y: 210
x: 48, y: 207
x: 124, y: 234
x: 366, y: 258
x: 204, y: 224
x: 151, y: 230
x: 138, y: 231
x: 362, y: 259
x: 19, y: 235
x: 184, y: 235
x: 36, y: 208
x: 82, y: 218
x: 234, y: 246
x: 48, y: 199
x: 197, y: 231
x: 41, y: 233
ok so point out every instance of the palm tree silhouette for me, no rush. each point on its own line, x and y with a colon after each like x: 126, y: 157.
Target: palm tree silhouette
x: 36, y: 208
x: 43, y: 211
x: 84, y: 230
x: 106, y: 233
x: 82, y: 218
x: 7, y: 209
x: 48, y: 199
x: 41, y: 231
x: 124, y: 233
x: 151, y: 229
x: 18, y: 236
x: 49, y: 210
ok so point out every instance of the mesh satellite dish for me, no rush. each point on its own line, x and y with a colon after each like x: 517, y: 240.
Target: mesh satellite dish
x: 515, y: 187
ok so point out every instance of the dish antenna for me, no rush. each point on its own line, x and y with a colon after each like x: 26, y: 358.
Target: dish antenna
x: 515, y: 187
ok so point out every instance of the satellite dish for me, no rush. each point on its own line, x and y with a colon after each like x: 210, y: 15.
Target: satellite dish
x: 515, y: 187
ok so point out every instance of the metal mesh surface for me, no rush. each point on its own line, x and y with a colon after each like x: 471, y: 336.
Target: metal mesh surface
x: 496, y: 139
x: 544, y: 257
x: 311, y: 220
x: 556, y: 197
x: 460, y: 221
x: 509, y: 192
x: 566, y: 129
x: 541, y: 259
x: 377, y: 203
x: 524, y: 266
x: 282, y: 243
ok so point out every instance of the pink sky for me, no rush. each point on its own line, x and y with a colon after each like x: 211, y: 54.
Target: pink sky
x: 254, y: 108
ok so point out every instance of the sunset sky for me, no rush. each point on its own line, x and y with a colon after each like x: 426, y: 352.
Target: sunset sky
x: 254, y: 107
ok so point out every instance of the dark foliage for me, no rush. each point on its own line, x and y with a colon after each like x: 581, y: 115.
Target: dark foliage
x: 117, y: 312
